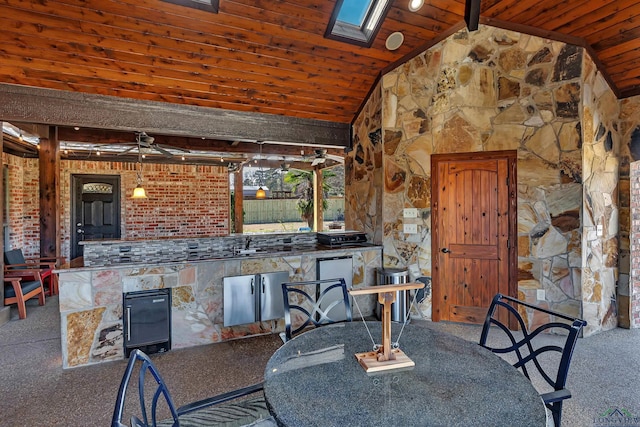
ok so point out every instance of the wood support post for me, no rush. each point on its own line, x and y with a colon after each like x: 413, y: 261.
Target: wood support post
x: 238, y: 200
x: 318, y: 197
x: 49, y: 166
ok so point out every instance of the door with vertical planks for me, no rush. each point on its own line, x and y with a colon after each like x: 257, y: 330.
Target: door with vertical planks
x: 474, y: 233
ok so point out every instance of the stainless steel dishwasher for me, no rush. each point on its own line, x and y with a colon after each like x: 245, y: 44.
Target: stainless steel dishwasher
x: 335, y: 268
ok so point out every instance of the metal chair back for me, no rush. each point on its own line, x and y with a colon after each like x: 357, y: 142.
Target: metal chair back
x: 309, y: 304
x: 527, y: 348
x: 146, y: 366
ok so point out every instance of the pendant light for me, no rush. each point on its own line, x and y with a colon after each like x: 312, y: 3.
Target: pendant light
x: 139, y: 192
x: 260, y: 193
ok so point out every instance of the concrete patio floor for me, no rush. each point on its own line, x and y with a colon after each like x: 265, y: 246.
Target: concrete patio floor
x: 36, y: 391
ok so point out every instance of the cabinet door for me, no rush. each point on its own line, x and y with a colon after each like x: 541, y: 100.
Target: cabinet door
x: 271, y: 303
x: 239, y: 304
x: 335, y: 268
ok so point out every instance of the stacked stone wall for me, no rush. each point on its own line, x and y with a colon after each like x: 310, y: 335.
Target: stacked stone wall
x: 600, y: 219
x: 363, y: 172
x: 492, y: 90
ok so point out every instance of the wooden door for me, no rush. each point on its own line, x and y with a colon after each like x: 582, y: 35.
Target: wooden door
x: 474, y: 233
x: 96, y: 209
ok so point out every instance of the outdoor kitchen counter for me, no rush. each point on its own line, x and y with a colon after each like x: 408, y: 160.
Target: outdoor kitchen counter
x: 192, y: 249
x: 197, y: 257
x: 91, y: 296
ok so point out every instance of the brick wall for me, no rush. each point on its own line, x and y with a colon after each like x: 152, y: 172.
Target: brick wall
x: 634, y: 286
x: 184, y: 200
x: 24, y: 210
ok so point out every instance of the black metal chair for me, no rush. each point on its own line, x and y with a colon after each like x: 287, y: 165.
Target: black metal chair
x: 204, y: 412
x: 311, y: 303
x: 505, y: 311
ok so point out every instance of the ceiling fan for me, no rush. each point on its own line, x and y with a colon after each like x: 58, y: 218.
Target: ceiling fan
x: 320, y: 156
x: 146, y: 145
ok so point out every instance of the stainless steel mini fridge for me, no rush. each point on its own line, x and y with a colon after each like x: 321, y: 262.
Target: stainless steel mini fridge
x: 335, y: 268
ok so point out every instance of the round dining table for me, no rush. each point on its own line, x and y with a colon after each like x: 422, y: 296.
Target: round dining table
x: 315, y: 380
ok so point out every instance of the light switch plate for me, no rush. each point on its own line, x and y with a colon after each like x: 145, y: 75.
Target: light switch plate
x: 410, y: 213
x: 540, y: 295
x: 410, y: 228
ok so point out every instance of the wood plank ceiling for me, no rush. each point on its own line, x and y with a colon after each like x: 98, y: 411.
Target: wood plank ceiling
x: 271, y: 56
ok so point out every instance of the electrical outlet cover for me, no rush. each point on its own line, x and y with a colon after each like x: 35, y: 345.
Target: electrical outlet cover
x: 540, y: 295
x: 410, y: 213
x: 410, y: 228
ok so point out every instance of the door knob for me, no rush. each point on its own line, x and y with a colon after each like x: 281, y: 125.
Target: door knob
x: 445, y: 250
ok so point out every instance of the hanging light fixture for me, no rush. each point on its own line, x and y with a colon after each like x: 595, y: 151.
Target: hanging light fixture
x: 139, y: 192
x: 260, y: 193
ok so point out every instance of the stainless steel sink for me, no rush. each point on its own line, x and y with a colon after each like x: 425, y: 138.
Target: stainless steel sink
x: 248, y: 251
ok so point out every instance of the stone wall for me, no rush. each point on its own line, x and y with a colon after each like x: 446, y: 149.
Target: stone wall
x: 91, y: 307
x: 363, y: 173
x: 600, y: 230
x: 494, y: 90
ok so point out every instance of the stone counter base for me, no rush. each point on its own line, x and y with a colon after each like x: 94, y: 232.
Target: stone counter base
x: 92, y: 312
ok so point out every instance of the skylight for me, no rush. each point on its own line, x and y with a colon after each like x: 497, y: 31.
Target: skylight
x: 210, y: 5
x: 357, y: 21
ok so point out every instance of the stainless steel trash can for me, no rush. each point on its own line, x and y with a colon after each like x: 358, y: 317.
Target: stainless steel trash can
x: 400, y: 308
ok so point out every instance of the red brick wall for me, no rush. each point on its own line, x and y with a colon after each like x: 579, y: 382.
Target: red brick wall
x: 24, y: 210
x: 634, y: 285
x: 183, y: 200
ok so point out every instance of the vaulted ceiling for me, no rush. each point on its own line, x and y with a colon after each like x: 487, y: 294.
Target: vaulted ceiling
x: 271, y: 56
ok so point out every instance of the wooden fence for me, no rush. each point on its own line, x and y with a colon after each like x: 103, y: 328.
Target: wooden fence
x: 286, y: 210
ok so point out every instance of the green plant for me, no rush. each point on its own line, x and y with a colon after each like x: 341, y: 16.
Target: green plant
x: 302, y: 184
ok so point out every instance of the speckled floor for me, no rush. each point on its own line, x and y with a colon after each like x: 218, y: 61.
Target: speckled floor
x: 36, y: 391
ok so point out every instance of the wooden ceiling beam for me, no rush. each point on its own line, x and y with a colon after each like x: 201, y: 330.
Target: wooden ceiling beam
x: 62, y: 108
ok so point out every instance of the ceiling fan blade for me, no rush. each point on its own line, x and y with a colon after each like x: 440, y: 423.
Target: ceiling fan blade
x: 184, y: 150
x: 317, y: 161
x: 127, y: 150
x: 162, y: 150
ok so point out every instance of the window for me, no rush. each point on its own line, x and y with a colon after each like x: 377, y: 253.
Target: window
x: 357, y: 21
x: 210, y: 5
x: 97, y: 188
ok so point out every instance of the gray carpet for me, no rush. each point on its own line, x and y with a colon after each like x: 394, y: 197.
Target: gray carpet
x: 605, y: 373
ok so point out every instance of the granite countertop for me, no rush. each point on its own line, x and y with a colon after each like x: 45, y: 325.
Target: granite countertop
x: 315, y: 380
x: 205, y: 255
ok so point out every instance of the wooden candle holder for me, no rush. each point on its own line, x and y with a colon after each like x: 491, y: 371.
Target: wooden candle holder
x: 385, y: 357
